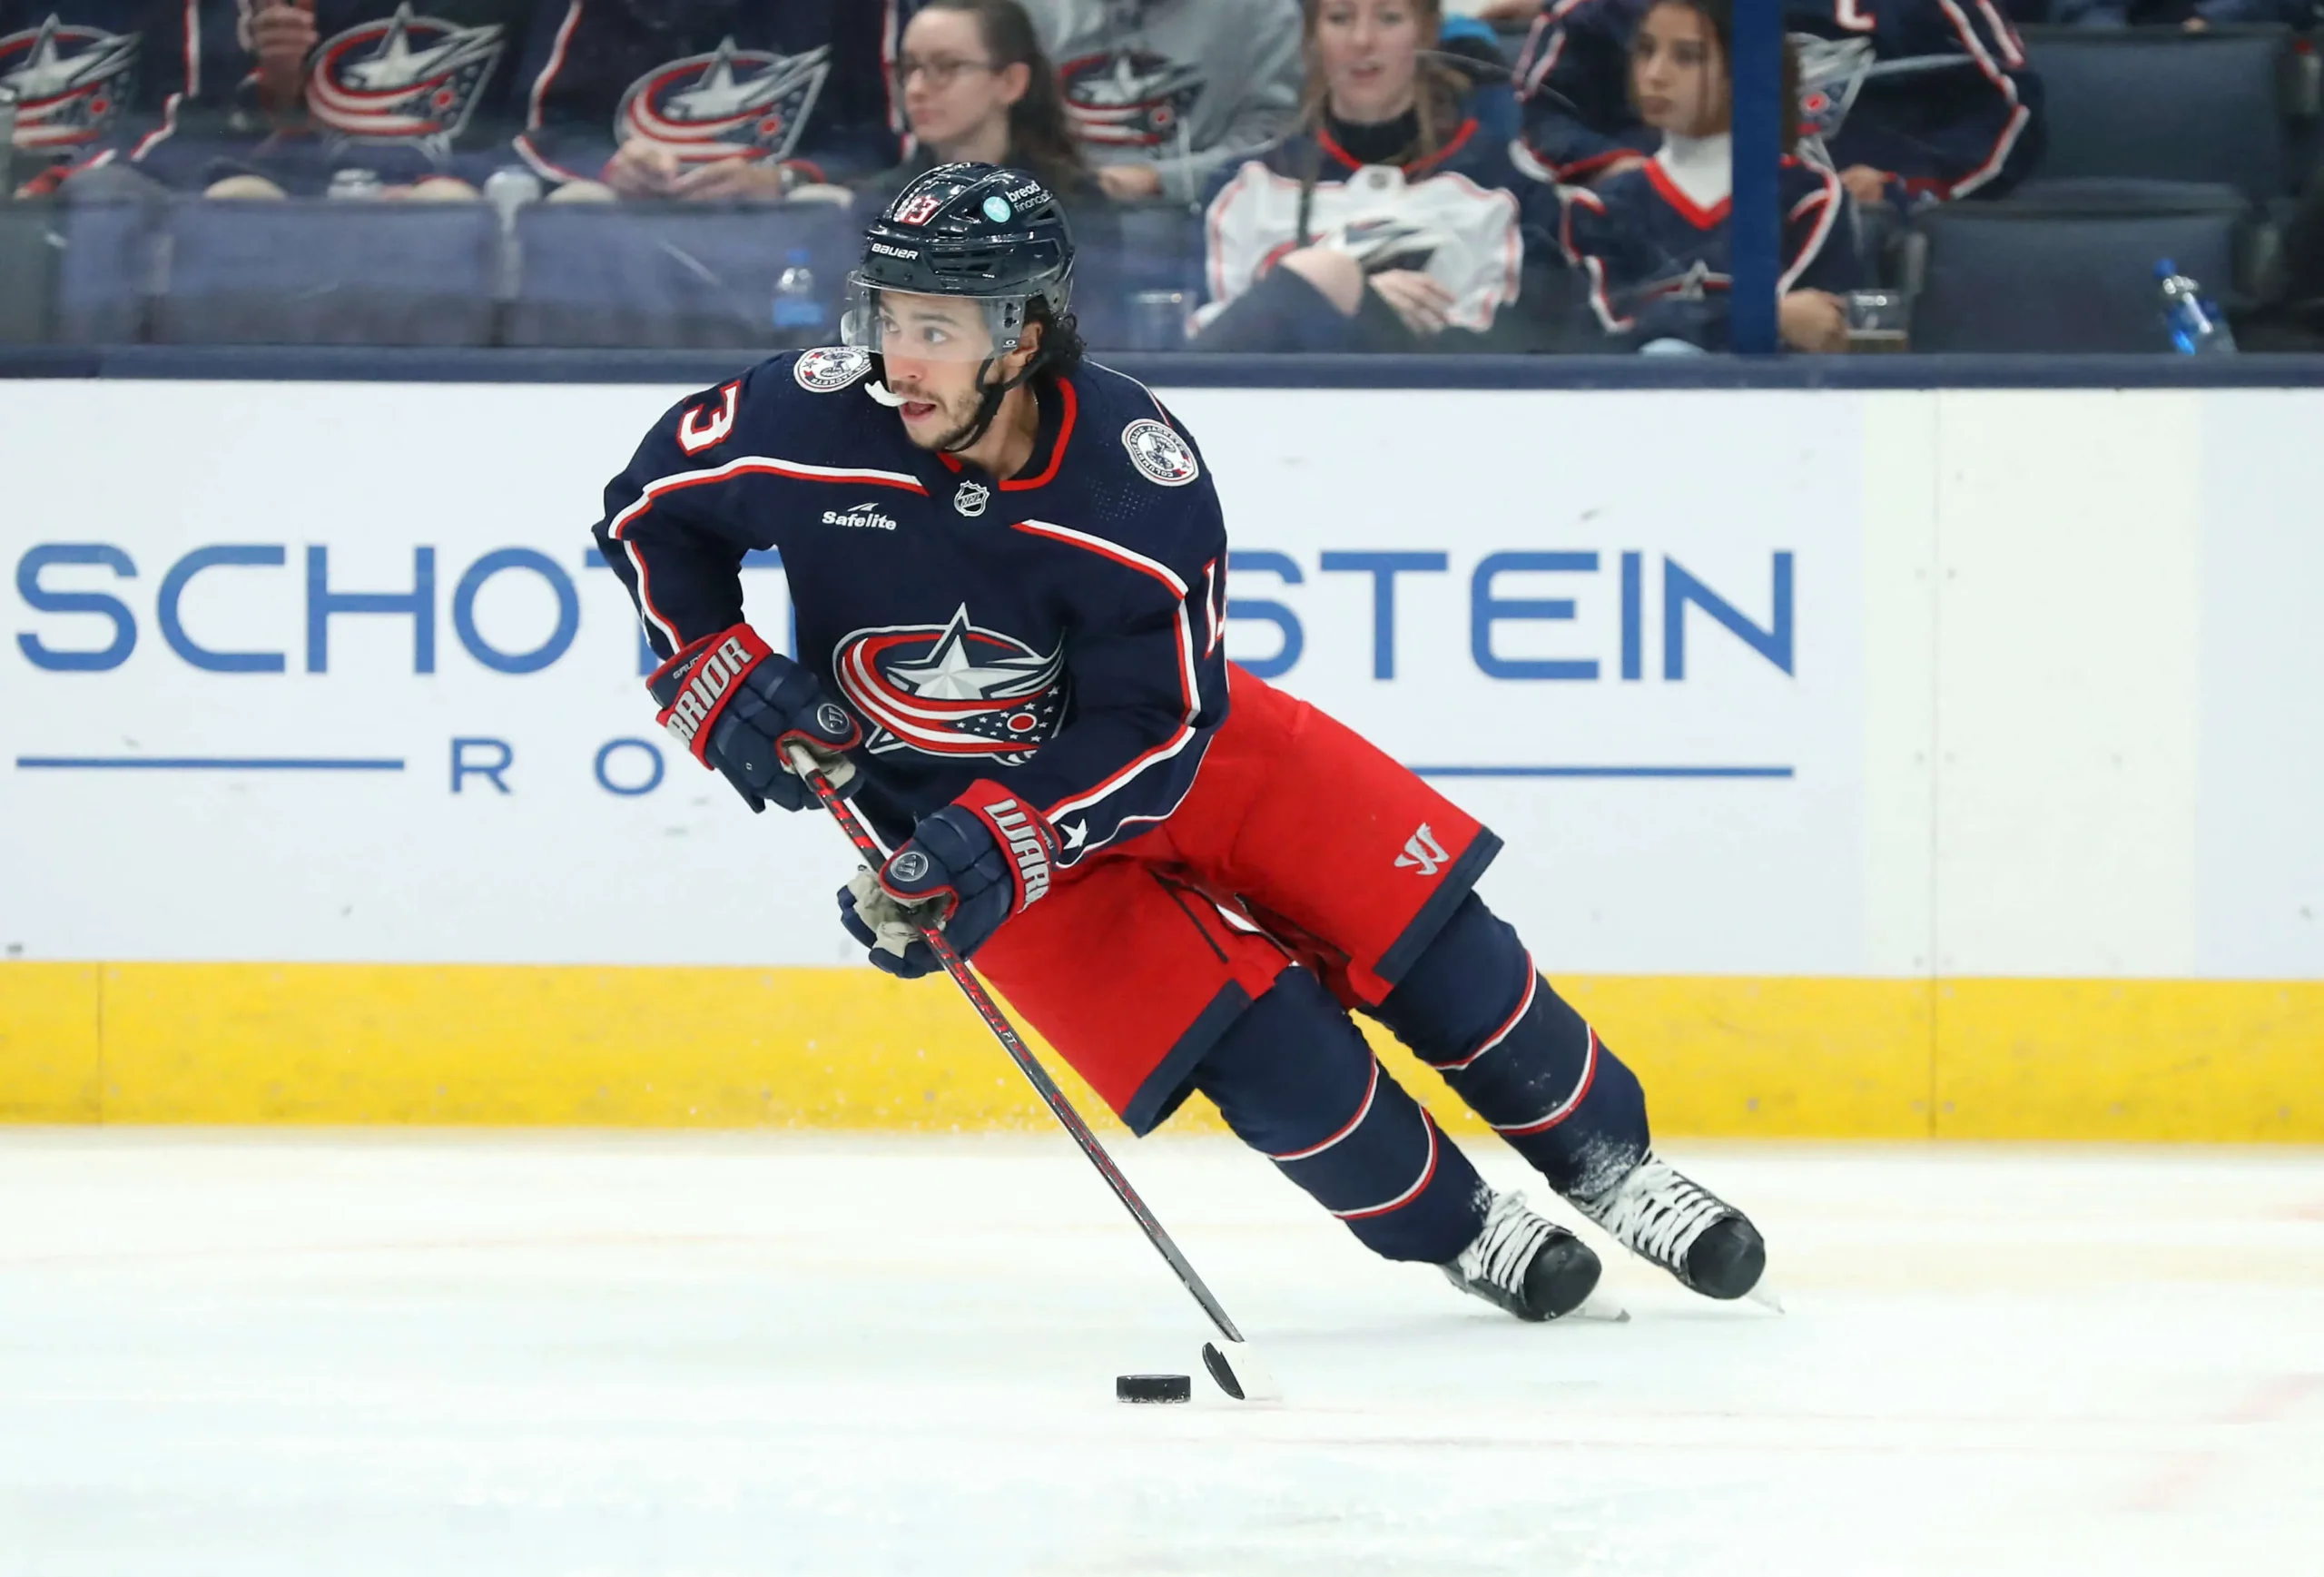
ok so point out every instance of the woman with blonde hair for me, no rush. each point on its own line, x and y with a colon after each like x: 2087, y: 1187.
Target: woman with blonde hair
x: 1391, y: 221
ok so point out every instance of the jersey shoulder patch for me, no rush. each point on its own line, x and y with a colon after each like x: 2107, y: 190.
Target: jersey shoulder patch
x: 830, y: 368
x: 1159, y: 454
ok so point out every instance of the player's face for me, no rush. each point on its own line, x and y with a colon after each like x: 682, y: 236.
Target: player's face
x: 1678, y: 74
x: 953, y: 94
x: 1369, y: 50
x: 933, y: 348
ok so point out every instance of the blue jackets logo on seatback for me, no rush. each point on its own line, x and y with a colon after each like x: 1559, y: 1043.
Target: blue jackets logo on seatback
x: 951, y: 689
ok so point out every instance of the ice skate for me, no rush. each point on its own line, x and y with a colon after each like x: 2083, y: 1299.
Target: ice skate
x: 1658, y: 1213
x: 1535, y: 1268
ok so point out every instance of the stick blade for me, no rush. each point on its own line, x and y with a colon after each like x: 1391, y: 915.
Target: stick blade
x: 1239, y: 1373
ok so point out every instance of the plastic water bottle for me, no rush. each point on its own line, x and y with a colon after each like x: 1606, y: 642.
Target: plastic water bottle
x: 2196, y: 325
x: 799, y: 316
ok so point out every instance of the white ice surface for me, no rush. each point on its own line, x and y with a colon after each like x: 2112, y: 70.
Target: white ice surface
x: 503, y: 1357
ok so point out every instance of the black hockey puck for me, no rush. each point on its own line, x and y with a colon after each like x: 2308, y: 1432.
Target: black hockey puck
x: 1154, y: 1388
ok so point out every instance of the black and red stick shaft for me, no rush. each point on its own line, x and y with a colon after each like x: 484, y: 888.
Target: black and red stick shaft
x: 868, y: 845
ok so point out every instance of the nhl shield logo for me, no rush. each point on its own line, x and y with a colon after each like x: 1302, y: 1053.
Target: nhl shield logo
x: 407, y: 79
x: 971, y: 498
x: 731, y: 104
x: 830, y: 368
x: 71, y: 83
x: 1159, y: 453
x: 954, y: 689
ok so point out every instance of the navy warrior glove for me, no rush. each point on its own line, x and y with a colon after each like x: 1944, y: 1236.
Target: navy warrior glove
x: 735, y: 704
x: 968, y: 867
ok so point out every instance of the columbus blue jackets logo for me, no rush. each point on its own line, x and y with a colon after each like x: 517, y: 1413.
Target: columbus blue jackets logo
x: 951, y: 689
x: 1129, y: 98
x: 731, y: 104
x: 71, y: 83
x: 1832, y: 71
x: 407, y: 79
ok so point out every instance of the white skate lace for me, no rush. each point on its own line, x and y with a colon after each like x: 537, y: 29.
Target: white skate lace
x: 1501, y: 1252
x: 1656, y: 1211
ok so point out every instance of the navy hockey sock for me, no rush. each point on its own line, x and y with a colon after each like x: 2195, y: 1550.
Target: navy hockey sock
x: 1296, y: 1082
x: 1473, y: 1008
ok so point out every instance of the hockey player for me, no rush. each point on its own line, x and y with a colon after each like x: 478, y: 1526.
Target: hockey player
x: 1008, y: 568
x: 1653, y: 242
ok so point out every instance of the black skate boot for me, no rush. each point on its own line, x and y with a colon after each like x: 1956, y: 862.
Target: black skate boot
x: 1659, y: 1214
x: 1535, y: 1269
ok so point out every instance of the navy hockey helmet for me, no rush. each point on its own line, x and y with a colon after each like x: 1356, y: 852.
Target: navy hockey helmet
x: 996, y: 236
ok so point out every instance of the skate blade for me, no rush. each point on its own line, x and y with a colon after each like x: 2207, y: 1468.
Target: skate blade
x: 1765, y: 1296
x: 1602, y: 1308
x: 1237, y: 1371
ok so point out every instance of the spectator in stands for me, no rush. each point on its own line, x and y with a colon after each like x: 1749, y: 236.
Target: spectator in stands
x: 1388, y: 223
x: 712, y: 101
x: 99, y: 84
x: 975, y: 85
x: 1163, y: 94
x: 1952, y: 112
x: 315, y: 87
x: 1653, y: 241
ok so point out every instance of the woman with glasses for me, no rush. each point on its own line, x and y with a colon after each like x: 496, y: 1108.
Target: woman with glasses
x: 975, y: 87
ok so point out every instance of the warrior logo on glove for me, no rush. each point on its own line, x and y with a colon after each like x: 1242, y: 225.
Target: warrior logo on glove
x: 698, y: 699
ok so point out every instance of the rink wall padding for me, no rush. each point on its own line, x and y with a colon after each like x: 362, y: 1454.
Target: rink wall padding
x: 1872, y: 760
x: 846, y: 1049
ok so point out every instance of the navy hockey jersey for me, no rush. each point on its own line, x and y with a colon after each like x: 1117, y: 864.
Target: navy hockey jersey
x: 1935, y: 93
x: 1657, y: 260
x: 1059, y: 632
x: 805, y: 81
x: 95, y: 80
x: 1573, y: 82
x: 404, y: 88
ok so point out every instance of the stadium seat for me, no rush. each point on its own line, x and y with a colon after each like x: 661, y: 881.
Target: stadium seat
x: 328, y: 273
x: 2159, y: 104
x: 108, y: 270
x: 31, y: 237
x: 681, y: 277
x: 2067, y: 277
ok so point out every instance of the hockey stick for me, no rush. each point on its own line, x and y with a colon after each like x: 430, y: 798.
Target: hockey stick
x: 1238, y: 1372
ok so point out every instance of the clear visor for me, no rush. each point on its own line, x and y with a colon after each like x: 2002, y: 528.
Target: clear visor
x: 930, y: 328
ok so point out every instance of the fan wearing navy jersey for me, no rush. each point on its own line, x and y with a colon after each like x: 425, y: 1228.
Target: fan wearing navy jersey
x: 1917, y: 101
x: 1392, y: 220
x: 98, y: 82
x: 708, y: 100
x: 1653, y: 242
x: 1009, y: 566
x: 415, y: 91
x: 1573, y: 84
x: 1911, y: 101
